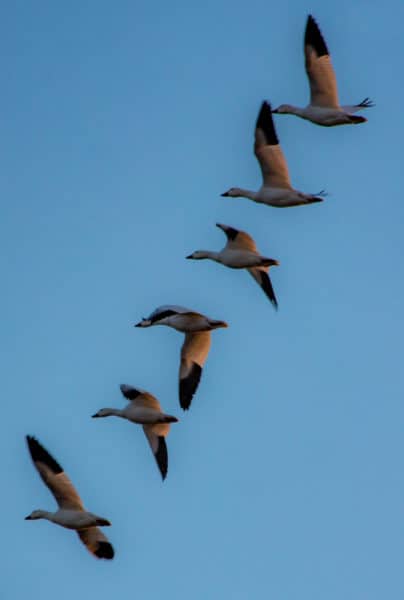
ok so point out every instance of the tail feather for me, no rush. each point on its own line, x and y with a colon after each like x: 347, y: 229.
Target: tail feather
x: 355, y: 119
x: 170, y: 419
x: 269, y: 262
x: 103, y: 522
x: 216, y: 324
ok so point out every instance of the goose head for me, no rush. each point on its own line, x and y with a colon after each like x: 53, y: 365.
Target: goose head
x: 198, y: 255
x: 144, y: 323
x: 103, y: 412
x: 284, y: 109
x: 233, y: 193
x: 36, y: 514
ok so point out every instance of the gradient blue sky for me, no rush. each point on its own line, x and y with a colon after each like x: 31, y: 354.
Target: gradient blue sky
x: 121, y: 123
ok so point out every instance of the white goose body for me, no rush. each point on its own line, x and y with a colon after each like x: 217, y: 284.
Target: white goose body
x: 239, y: 259
x: 328, y: 117
x: 141, y: 415
x: 180, y: 318
x: 144, y: 409
x: 233, y: 258
x: 71, y: 513
x: 324, y: 108
x: 240, y: 252
x: 71, y: 519
x: 195, y: 349
x: 276, y: 189
x: 282, y: 197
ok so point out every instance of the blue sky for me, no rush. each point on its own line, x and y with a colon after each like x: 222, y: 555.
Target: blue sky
x: 121, y: 125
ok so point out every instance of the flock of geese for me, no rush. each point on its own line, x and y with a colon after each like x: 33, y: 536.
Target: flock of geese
x: 240, y: 252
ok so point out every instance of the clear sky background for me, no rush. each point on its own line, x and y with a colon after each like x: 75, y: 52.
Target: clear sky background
x: 121, y: 124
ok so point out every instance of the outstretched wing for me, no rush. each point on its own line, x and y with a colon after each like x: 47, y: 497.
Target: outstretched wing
x: 323, y: 84
x: 237, y: 239
x: 53, y: 476
x: 140, y: 397
x: 261, y: 276
x: 96, y: 542
x: 268, y: 151
x: 156, y: 437
x: 194, y: 351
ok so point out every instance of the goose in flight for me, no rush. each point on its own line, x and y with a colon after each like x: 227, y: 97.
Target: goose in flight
x: 196, y: 345
x: 145, y: 409
x: 324, y: 108
x: 240, y: 252
x: 71, y: 513
x: 276, y: 189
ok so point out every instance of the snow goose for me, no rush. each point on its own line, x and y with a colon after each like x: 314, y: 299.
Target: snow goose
x: 276, y: 189
x: 324, y: 108
x: 71, y: 513
x: 195, y: 348
x: 145, y: 409
x: 240, y: 252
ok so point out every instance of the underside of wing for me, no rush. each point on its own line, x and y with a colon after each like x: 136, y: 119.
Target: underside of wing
x: 96, y: 542
x: 260, y: 274
x: 323, y: 84
x: 274, y: 167
x: 140, y: 397
x: 238, y: 240
x: 190, y: 376
x: 193, y: 356
x: 156, y: 437
x: 244, y: 241
x: 53, y: 476
x: 268, y: 151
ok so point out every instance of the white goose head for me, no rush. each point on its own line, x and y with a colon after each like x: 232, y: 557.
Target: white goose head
x: 284, y: 109
x: 36, y: 514
x: 233, y: 193
x: 198, y: 255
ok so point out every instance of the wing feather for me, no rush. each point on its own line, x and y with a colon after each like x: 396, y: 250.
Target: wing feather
x: 194, y: 352
x: 237, y: 239
x: 269, y: 152
x: 321, y: 74
x: 140, y: 397
x: 155, y: 435
x: 260, y: 274
x: 54, y: 477
x: 96, y: 542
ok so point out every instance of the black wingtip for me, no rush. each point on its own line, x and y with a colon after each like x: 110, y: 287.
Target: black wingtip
x: 129, y: 392
x: 162, y: 457
x: 230, y: 232
x: 266, y: 124
x: 188, y: 386
x: 39, y: 454
x: 314, y: 38
x: 268, y: 289
x: 105, y: 550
